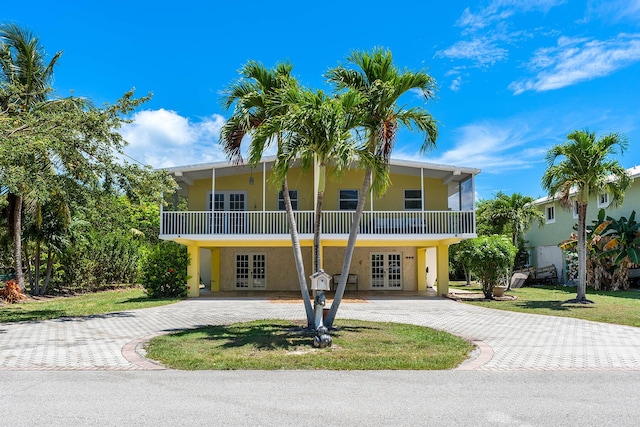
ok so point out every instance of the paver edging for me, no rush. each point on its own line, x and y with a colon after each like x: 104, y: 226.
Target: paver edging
x: 133, y: 352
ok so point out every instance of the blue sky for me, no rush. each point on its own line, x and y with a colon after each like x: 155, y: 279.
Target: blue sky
x: 514, y: 77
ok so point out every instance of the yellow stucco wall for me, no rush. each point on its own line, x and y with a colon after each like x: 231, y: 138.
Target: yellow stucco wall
x: 297, y: 181
x: 281, y: 269
x: 393, y: 200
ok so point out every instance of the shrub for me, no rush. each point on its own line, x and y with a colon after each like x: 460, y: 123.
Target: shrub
x: 490, y: 259
x: 11, y: 292
x: 164, y: 270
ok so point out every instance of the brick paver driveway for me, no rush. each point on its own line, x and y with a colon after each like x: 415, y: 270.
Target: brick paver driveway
x: 506, y: 340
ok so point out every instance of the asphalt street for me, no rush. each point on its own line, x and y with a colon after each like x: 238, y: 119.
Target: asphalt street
x: 315, y: 398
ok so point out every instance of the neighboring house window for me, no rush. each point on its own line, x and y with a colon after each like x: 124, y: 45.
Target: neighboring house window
x: 550, y: 214
x: 412, y: 200
x: 293, y: 195
x: 575, y: 209
x: 603, y: 200
x: 348, y: 200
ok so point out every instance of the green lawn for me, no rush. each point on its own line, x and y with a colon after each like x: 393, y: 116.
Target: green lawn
x: 621, y: 307
x: 280, y: 344
x: 82, y: 305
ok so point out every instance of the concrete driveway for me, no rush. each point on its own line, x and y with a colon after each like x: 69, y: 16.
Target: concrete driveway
x: 506, y: 340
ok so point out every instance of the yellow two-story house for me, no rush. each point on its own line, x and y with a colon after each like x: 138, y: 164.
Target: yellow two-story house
x: 236, y: 231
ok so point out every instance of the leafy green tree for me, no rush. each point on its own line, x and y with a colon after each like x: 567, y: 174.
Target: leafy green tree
x: 585, y: 167
x: 380, y: 84
x: 513, y: 214
x: 490, y: 258
x: 460, y: 254
x: 47, y: 141
x: 24, y: 83
x: 251, y: 98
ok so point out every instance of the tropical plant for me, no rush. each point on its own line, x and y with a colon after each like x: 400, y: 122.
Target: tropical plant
x: 252, y: 98
x: 460, y: 255
x: 380, y: 84
x: 490, y: 259
x: 317, y: 130
x: 513, y: 214
x: 585, y: 168
x: 44, y: 142
x: 164, y: 271
x: 24, y: 83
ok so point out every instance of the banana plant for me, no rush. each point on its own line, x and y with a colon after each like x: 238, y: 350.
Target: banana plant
x: 625, y: 240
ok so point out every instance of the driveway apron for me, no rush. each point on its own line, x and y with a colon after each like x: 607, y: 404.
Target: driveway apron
x: 505, y: 340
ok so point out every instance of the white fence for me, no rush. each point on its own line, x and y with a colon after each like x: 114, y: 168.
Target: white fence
x: 333, y: 222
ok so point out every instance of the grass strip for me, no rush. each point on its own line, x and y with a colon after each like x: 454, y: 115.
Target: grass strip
x: 619, y: 307
x: 281, y: 344
x: 113, y: 301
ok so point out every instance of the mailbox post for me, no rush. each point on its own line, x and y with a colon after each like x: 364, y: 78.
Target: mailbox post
x: 320, y: 282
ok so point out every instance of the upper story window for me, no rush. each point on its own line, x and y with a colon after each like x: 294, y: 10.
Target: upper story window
x: 575, y: 209
x: 412, y: 200
x: 348, y: 200
x: 293, y: 195
x: 603, y: 200
x: 550, y: 214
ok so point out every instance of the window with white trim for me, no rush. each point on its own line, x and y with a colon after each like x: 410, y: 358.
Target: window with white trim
x: 412, y: 200
x: 575, y: 209
x: 348, y: 200
x: 603, y: 200
x: 293, y: 195
x: 550, y: 214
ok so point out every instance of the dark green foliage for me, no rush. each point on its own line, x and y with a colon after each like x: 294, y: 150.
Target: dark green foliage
x: 490, y: 258
x: 101, y: 259
x: 164, y: 270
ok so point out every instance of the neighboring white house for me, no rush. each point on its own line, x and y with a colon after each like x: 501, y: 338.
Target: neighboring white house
x: 542, y: 242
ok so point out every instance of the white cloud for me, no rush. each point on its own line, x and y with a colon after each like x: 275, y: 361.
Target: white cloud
x: 578, y: 59
x: 455, y: 84
x: 489, y: 30
x: 163, y: 138
x: 499, y: 10
x: 613, y: 10
x: 480, y: 50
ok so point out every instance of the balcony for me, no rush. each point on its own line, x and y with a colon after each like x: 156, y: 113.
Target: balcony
x: 225, y: 224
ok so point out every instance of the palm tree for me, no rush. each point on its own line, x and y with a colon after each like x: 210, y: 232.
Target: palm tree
x: 380, y: 84
x: 317, y: 131
x: 516, y: 212
x: 585, y: 168
x: 251, y: 98
x: 24, y: 84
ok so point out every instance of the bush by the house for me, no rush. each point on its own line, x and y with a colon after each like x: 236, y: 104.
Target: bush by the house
x: 164, y: 271
x: 490, y: 258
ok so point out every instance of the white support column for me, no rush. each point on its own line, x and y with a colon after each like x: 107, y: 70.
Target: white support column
x: 264, y: 185
x: 316, y: 181
x: 422, y: 188
x: 213, y: 189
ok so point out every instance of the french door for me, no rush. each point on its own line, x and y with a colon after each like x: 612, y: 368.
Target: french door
x: 386, y: 270
x: 227, y: 211
x: 251, y: 271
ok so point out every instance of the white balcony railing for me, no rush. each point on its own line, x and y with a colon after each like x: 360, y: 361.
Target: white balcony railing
x: 333, y: 222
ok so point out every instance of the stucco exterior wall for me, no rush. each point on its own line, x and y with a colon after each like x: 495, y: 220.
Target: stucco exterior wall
x: 281, y: 270
x: 435, y: 191
x: 546, y: 238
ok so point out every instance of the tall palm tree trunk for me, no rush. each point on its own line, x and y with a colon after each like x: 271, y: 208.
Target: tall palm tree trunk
x: 15, y: 226
x: 297, y: 254
x: 348, y: 255
x: 582, y: 254
x: 317, y: 231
